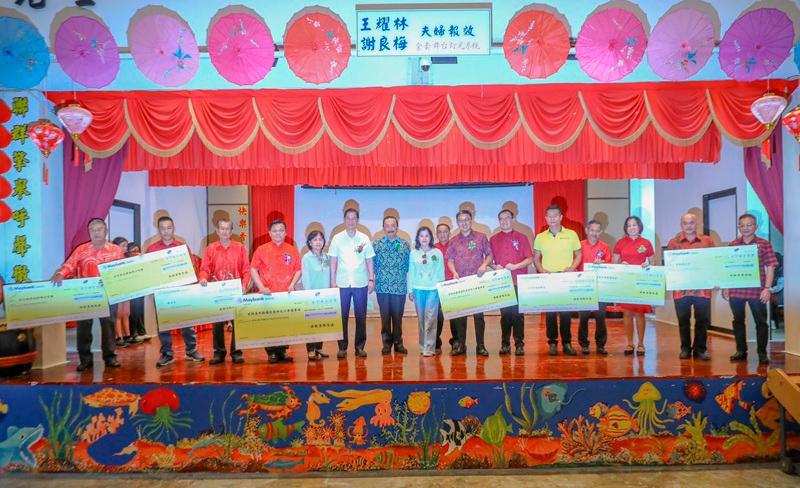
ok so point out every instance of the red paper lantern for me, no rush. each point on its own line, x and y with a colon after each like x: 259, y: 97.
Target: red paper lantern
x: 45, y: 135
x: 792, y: 122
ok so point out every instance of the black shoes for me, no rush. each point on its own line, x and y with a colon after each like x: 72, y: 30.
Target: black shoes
x: 273, y: 358
x: 763, y: 359
x: 84, y: 366
x: 400, y: 349
x: 703, y: 356
x: 341, y: 354
x: 739, y: 356
x: 519, y: 351
x: 602, y: 351
x: 553, y: 350
x: 569, y: 351
x: 112, y: 363
x: 685, y: 354
x: 360, y: 353
x: 481, y: 351
x: 506, y: 349
x: 217, y: 359
x: 237, y: 359
x: 585, y: 350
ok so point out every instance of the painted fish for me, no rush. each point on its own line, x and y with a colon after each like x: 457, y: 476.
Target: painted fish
x: 678, y: 410
x: 456, y: 433
x: 614, y: 421
x: 113, y: 397
x: 468, y: 402
x: 731, y: 396
x: 16, y: 449
x: 277, y: 430
x: 283, y: 463
x: 551, y: 398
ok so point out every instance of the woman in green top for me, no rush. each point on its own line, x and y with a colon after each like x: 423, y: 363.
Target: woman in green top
x: 315, y: 274
x: 425, y: 269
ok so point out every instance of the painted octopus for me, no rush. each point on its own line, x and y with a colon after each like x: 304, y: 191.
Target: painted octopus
x: 646, y: 412
x: 279, y: 404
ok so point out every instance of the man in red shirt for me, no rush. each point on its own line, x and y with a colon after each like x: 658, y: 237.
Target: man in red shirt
x: 276, y: 268
x: 757, y: 298
x: 443, y: 235
x: 690, y: 238
x: 83, y: 263
x: 166, y: 230
x: 593, y: 250
x: 225, y: 259
x: 512, y: 251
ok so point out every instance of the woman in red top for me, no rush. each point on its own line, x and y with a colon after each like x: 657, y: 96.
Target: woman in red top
x: 634, y: 249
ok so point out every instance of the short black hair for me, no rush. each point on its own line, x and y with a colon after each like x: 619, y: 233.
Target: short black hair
x: 424, y: 228
x: 351, y: 209
x: 638, y: 222
x: 463, y: 211
x: 443, y: 224
x: 594, y: 221
x: 390, y: 217
x: 96, y: 220
x: 119, y: 240
x: 312, y: 235
x: 554, y: 207
x: 748, y: 216
x: 165, y: 218
x: 505, y: 210
x: 276, y: 222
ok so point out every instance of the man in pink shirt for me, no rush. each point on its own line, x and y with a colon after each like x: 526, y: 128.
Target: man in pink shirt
x: 443, y: 236
x: 512, y: 251
x: 83, y: 263
x: 225, y: 259
x: 593, y: 250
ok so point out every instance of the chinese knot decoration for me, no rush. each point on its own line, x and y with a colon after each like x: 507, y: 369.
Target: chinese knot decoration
x: 45, y: 135
x: 75, y: 119
x: 792, y: 122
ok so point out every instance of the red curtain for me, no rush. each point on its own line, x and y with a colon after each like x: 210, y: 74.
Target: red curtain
x: 424, y: 135
x: 767, y: 181
x: 569, y: 195
x: 269, y: 203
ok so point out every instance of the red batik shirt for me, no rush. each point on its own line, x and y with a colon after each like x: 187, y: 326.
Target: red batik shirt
x: 511, y: 247
x: 276, y: 265
x: 225, y: 263
x: 85, y: 259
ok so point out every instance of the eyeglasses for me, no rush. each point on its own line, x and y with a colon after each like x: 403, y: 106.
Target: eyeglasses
x: 425, y: 258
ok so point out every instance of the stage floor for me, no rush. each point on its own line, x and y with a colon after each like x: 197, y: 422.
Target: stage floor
x: 660, y: 361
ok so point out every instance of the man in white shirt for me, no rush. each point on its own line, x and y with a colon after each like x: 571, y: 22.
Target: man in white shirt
x: 352, y: 272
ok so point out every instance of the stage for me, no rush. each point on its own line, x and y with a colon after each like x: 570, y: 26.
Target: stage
x: 395, y: 412
x: 661, y: 360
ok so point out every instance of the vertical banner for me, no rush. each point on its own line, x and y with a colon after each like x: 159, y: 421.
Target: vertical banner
x: 20, y: 235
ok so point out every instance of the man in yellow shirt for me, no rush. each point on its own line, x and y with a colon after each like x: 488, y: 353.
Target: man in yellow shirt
x: 557, y: 250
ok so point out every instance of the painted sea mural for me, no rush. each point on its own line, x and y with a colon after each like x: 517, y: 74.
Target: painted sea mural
x: 353, y: 427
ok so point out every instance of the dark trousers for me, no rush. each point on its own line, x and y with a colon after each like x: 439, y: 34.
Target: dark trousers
x: 279, y: 350
x: 359, y: 298
x: 107, y: 338
x: 702, y: 319
x: 460, y: 326
x: 600, y: 332
x: 136, y: 319
x: 759, y: 311
x: 553, y: 328
x: 391, y: 307
x: 440, y: 327
x: 512, y: 320
x: 313, y: 346
x: 219, y: 341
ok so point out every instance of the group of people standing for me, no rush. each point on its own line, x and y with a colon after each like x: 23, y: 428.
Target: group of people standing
x: 357, y: 266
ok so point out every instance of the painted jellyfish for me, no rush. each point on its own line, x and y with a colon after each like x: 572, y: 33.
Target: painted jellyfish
x: 646, y: 411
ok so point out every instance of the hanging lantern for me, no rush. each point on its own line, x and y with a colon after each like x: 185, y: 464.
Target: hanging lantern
x: 792, y: 122
x: 768, y: 109
x: 45, y: 135
x: 75, y: 119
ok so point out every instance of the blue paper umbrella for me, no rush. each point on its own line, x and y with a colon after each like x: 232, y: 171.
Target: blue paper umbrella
x: 24, y: 57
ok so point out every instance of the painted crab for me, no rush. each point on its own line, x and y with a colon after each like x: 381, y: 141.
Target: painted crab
x: 112, y: 397
x: 160, y: 416
x: 279, y: 404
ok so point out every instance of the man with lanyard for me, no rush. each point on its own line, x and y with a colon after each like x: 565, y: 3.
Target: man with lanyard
x: 166, y: 230
x: 83, y: 263
x: 276, y: 268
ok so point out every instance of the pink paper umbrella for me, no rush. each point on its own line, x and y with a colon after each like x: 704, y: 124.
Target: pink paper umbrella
x: 317, y: 46
x: 681, y: 44
x: 611, y: 44
x: 241, y: 48
x: 164, y: 49
x: 756, y: 44
x: 87, y: 52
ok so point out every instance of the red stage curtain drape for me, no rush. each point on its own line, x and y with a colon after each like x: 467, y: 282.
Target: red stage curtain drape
x: 423, y: 135
x: 569, y: 195
x: 269, y: 203
x: 768, y: 181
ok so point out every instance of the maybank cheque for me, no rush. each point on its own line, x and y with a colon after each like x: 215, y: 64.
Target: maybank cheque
x: 42, y: 303
x: 141, y: 275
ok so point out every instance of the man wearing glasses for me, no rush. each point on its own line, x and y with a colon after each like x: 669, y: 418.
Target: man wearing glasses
x: 468, y: 253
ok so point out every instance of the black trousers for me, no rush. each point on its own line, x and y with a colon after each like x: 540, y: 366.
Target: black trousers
x: 136, y: 319
x: 107, y: 338
x: 600, y: 331
x: 460, y: 326
x: 440, y: 327
x: 759, y: 311
x: 391, y: 307
x: 512, y: 320
x: 358, y: 296
x: 702, y: 319
x: 219, y: 341
x: 553, y: 327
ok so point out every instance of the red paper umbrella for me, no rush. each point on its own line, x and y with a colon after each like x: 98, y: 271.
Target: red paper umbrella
x: 316, y: 45
x: 536, y: 43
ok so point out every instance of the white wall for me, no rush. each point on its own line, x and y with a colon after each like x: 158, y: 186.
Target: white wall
x: 186, y: 205
x: 674, y: 198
